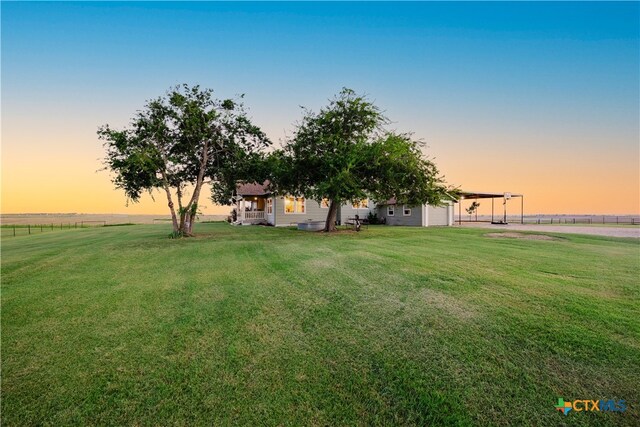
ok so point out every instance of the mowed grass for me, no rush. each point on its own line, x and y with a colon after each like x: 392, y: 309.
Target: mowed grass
x: 264, y: 326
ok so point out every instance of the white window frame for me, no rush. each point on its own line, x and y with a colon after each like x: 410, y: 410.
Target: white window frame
x: 391, y: 210
x: 405, y: 209
x: 269, y: 206
x: 295, y: 205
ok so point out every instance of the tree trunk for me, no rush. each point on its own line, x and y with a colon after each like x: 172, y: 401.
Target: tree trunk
x: 330, y: 223
x: 174, y: 218
x: 181, y: 210
x: 192, y: 206
x: 182, y: 218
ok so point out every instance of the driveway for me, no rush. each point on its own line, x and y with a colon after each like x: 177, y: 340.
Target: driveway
x: 572, y: 229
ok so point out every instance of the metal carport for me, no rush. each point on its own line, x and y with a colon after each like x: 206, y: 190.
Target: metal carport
x: 471, y: 195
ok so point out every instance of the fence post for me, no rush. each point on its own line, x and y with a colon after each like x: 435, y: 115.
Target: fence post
x: 14, y: 231
x: 29, y: 228
x: 617, y: 220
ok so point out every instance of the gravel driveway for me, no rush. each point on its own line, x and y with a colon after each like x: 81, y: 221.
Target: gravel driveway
x: 596, y: 231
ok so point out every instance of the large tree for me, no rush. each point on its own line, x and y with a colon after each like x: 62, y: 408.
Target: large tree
x: 179, y: 142
x: 344, y: 154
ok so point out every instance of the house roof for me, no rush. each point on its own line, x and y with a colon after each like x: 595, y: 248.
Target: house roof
x: 393, y: 201
x: 253, y: 189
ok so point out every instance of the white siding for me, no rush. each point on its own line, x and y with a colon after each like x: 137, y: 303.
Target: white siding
x: 347, y: 211
x: 313, y: 212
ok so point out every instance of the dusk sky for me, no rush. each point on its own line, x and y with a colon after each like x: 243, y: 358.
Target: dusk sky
x: 533, y: 98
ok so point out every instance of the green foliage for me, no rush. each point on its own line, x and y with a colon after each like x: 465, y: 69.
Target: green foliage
x: 343, y: 153
x: 176, y: 234
x: 473, y: 207
x: 192, y: 211
x: 176, y: 142
x: 397, y: 168
x: 373, y: 219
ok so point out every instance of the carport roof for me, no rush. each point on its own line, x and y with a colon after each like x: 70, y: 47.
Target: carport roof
x: 478, y: 195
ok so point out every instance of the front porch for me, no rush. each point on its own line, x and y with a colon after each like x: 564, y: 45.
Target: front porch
x: 251, y: 210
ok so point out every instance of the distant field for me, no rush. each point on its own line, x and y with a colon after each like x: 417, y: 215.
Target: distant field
x: 64, y: 219
x: 266, y: 326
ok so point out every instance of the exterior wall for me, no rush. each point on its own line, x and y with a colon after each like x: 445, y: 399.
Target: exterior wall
x: 347, y: 211
x: 415, y: 219
x: 452, y: 209
x: 313, y: 212
x: 421, y: 216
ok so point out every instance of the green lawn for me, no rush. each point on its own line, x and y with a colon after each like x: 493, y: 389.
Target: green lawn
x: 264, y: 326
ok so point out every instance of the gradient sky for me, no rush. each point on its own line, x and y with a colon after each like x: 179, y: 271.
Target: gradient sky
x: 533, y: 98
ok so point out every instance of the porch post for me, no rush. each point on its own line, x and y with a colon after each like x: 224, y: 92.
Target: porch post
x: 504, y: 202
x: 460, y: 211
x: 522, y: 209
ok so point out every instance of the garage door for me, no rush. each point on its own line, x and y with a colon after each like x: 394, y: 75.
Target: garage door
x: 438, y: 215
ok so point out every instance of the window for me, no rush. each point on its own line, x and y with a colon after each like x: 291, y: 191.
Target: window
x: 362, y: 204
x: 269, y: 206
x: 300, y: 205
x: 391, y: 210
x: 324, y: 204
x: 294, y: 205
x: 406, y: 211
x: 289, y: 203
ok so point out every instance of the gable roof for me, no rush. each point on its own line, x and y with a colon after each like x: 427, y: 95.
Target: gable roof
x: 393, y: 201
x: 253, y: 189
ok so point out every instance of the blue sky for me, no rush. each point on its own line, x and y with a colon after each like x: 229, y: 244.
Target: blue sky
x: 485, y: 84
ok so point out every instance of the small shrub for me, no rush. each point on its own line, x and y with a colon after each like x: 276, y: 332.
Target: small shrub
x: 373, y: 218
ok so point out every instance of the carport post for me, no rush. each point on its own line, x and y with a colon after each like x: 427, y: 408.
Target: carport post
x: 492, y: 209
x: 460, y: 211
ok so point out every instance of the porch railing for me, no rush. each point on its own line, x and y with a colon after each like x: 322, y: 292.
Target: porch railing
x: 254, y: 215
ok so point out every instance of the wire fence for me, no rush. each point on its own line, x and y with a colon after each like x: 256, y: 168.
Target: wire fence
x: 619, y: 220
x: 586, y: 219
x: 13, y: 230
